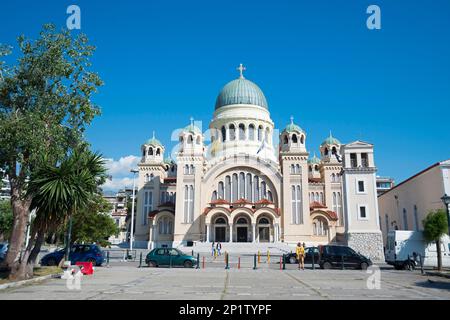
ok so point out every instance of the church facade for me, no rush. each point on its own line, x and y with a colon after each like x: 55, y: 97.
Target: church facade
x: 242, y: 188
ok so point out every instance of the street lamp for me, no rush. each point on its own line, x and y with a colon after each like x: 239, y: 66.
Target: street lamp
x: 446, y: 200
x: 134, y: 171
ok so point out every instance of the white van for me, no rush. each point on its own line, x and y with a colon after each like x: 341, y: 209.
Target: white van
x: 404, y: 248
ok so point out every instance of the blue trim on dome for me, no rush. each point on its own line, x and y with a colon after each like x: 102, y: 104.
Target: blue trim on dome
x: 241, y: 91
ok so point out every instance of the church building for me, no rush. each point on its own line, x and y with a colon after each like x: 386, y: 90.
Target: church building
x: 241, y: 188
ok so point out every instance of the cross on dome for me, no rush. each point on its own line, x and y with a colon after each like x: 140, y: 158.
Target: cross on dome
x: 241, y: 70
x: 292, y: 119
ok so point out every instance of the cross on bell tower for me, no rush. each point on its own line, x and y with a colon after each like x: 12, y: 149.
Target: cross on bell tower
x: 241, y: 70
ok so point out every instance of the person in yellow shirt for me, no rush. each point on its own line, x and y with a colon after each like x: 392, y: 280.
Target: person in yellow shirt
x: 300, y: 252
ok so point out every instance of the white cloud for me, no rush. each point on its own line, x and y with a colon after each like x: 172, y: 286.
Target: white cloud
x: 119, y: 170
x: 122, y: 166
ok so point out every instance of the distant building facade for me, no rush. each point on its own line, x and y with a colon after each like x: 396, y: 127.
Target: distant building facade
x: 384, y: 184
x: 404, y: 206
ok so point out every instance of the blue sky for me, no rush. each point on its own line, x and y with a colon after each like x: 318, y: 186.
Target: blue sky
x: 165, y: 61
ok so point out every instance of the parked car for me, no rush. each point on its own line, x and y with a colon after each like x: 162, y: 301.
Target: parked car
x: 292, y: 257
x: 169, y: 256
x: 336, y: 255
x: 78, y: 253
x: 3, y: 251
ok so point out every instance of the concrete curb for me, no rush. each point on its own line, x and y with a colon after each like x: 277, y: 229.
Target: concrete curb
x: 29, y: 281
x: 438, y: 274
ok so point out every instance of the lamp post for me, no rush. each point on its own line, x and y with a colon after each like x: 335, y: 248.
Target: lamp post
x: 446, y: 200
x: 134, y: 171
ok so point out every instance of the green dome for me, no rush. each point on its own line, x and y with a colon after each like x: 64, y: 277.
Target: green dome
x: 293, y: 127
x: 241, y: 91
x: 154, y: 142
x: 330, y: 140
x: 314, y: 160
x: 193, y: 129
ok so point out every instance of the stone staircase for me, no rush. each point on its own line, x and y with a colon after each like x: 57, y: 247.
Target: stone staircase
x: 241, y: 248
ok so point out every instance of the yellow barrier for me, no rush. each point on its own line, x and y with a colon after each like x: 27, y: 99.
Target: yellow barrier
x: 268, y: 256
x: 259, y: 257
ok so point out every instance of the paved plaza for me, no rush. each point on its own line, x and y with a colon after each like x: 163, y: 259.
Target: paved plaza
x: 126, y: 281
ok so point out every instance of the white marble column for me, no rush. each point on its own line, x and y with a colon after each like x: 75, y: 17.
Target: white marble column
x: 207, y: 232
x: 254, y: 232
x: 231, y: 233
x: 275, y: 232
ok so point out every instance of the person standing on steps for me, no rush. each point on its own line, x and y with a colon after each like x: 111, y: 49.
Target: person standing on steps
x: 300, y: 252
x: 213, y: 249
x: 219, y: 248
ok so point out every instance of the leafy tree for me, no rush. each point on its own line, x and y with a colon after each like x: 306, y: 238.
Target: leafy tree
x: 45, y: 105
x: 58, y: 192
x: 6, y: 219
x: 435, y: 226
x: 93, y: 224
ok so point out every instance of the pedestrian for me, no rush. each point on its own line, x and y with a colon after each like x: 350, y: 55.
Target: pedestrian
x: 300, y: 252
x: 219, y: 248
x: 213, y: 249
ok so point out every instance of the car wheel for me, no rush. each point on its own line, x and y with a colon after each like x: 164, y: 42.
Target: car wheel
x: 410, y: 266
x: 292, y: 260
x: 326, y: 265
x: 187, y: 264
x: 51, y: 262
x: 364, y: 265
x: 152, y: 264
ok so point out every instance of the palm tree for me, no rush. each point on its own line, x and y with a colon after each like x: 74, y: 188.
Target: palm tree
x: 58, y: 191
x: 435, y: 226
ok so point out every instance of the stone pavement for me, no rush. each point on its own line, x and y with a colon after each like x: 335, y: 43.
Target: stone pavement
x: 129, y: 282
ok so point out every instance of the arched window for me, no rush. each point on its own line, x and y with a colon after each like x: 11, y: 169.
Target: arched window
x: 285, y: 140
x: 220, y: 220
x: 234, y: 187
x: 151, y: 177
x: 251, y: 132
x: 334, y: 205
x: 321, y: 197
x: 241, y: 221
x: 214, y: 196
x: 260, y: 133
x: 143, y: 152
x: 263, y: 221
x: 256, y: 187
x: 188, y: 204
x: 221, y: 190
x: 160, y: 226
x: 263, y: 190
x: 228, y: 188
x: 294, y: 138
x: 170, y: 226
x: 316, y: 197
x: 296, y: 205
x: 158, y: 151
x: 339, y: 209
x: 267, y: 135
x: 320, y: 227
x: 311, y: 197
x: 292, y: 168
x: 186, y: 169
x: 326, y: 151
x: 310, y: 168
x: 297, y: 169
x: 333, y: 177
x: 191, y: 169
x: 269, y: 196
x: 150, y: 151
x: 224, y: 133
x: 241, y: 132
x: 316, y: 167
x: 333, y: 150
x: 198, y: 140
x: 248, y: 189
x: 190, y: 140
x: 241, y: 185
x: 302, y: 139
x: 232, y: 132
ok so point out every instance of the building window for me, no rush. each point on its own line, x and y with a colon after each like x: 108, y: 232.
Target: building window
x: 297, y: 217
x: 263, y: 190
x: 285, y: 140
x: 386, y: 221
x: 148, y: 206
x: 224, y: 133
x: 405, y: 219
x: 362, y: 212
x: 340, y: 212
x: 334, y: 204
x: 241, y: 185
x: 260, y: 133
x: 232, y: 132
x: 251, y: 132
x: 294, y: 138
x: 320, y: 227
x: 248, y: 189
x: 221, y: 190
x: 364, y: 160
x: 188, y: 204
x: 416, y: 219
x: 353, y: 160
x: 361, y: 186
x: 234, y: 188
x: 241, y: 132
x: 228, y: 188
x: 256, y: 193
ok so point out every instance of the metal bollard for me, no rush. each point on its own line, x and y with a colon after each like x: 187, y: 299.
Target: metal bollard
x: 128, y: 254
x: 342, y: 261
x: 268, y: 256
x: 192, y: 252
x: 140, y: 260
x: 227, y: 266
x: 107, y: 258
x: 239, y: 262
x: 203, y: 263
x: 284, y: 262
x: 259, y: 257
x: 254, y: 262
x: 313, y: 262
x: 198, y: 261
x: 281, y: 264
x: 421, y: 263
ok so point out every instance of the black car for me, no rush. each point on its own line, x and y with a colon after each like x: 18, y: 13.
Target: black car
x: 292, y: 257
x: 336, y: 256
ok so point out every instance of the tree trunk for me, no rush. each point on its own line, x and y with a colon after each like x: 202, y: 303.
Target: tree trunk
x: 21, y: 213
x: 439, y: 256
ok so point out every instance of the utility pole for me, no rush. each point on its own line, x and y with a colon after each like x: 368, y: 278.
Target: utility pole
x: 134, y: 171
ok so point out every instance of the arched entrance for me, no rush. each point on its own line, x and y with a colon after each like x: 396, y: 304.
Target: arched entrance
x: 220, y: 229
x: 264, y: 228
x: 242, y: 229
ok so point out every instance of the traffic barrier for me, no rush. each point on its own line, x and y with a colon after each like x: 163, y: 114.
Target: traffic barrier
x: 268, y: 256
x: 259, y: 257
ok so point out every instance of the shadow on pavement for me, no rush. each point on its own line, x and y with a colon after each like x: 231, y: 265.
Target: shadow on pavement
x: 434, y: 284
